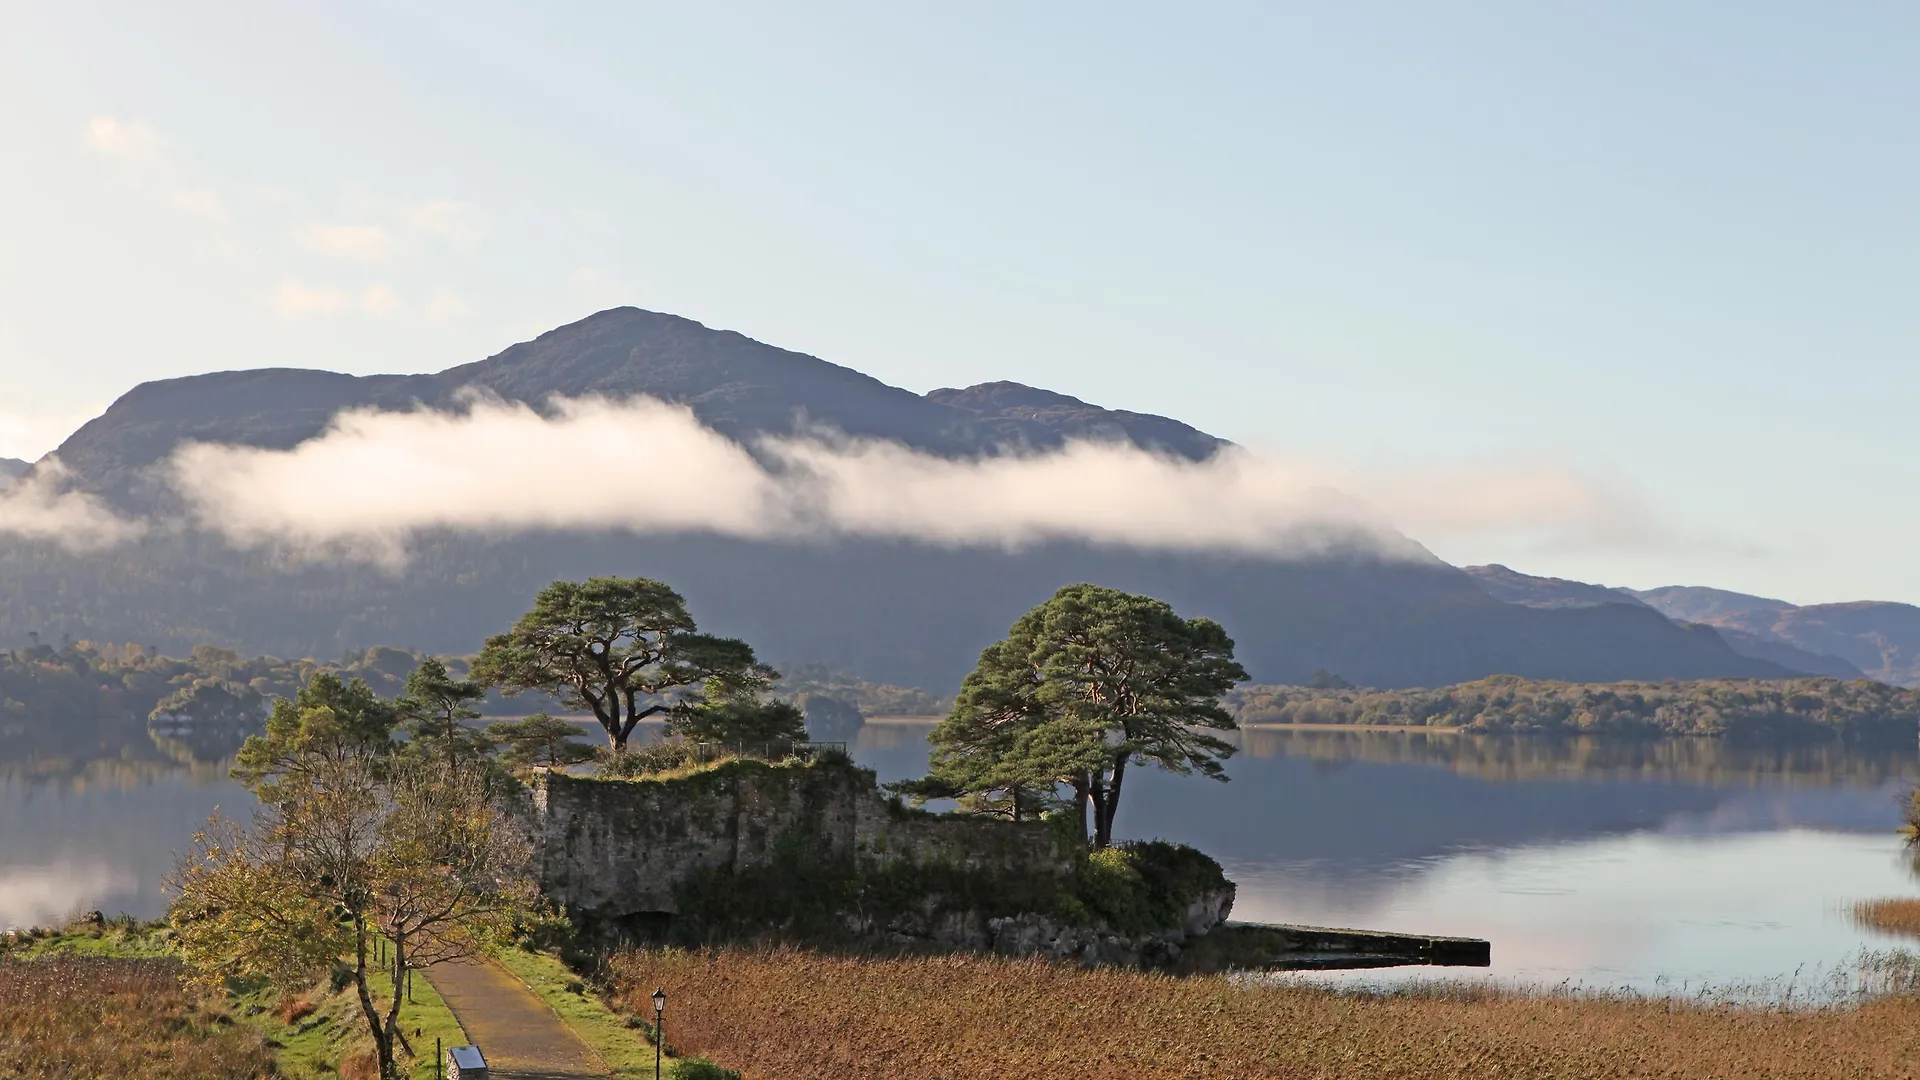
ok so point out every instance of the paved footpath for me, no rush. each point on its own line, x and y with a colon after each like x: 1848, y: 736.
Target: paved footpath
x: 521, y: 1037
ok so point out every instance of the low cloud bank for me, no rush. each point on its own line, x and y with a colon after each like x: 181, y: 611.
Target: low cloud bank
x: 38, y: 506
x: 374, y: 479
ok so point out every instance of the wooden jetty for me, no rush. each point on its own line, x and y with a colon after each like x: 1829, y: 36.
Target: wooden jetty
x: 1284, y: 947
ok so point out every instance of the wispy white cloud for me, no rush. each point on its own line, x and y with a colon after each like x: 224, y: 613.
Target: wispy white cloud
x: 298, y: 298
x: 459, y: 225
x: 41, y: 507
x: 368, y: 243
x: 379, y: 300
x: 149, y: 160
x: 375, y: 478
x: 438, y: 469
x: 131, y: 141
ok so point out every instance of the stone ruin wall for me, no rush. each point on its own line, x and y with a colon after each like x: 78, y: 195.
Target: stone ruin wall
x: 617, y: 848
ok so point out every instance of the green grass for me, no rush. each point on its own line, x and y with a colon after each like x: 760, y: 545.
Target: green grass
x: 628, y: 1050
x: 430, y: 1014
x: 315, y: 1046
x: 117, y: 937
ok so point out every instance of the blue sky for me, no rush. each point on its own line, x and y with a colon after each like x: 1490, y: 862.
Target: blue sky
x: 1671, y: 249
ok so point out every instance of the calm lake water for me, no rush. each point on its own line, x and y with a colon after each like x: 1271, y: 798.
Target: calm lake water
x: 1666, y: 865
x: 1663, y: 866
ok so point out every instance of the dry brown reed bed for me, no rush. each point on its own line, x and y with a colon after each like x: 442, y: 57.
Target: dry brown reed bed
x: 1897, y: 916
x: 74, y: 1017
x: 788, y: 1014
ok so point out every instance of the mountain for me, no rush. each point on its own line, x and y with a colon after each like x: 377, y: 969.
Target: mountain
x: 1687, y: 606
x: 12, y: 469
x: 1546, y: 592
x: 1794, y: 657
x: 897, y: 612
x: 1694, y: 603
x: 736, y: 385
x: 1879, y: 637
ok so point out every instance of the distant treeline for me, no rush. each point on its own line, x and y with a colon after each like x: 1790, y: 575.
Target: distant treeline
x: 57, y: 699
x: 86, y: 699
x: 1786, y: 707
x: 871, y: 698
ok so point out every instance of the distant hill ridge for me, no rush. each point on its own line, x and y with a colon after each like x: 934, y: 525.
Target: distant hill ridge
x: 889, y: 611
x: 1880, y: 637
x: 1546, y: 592
x: 1866, y: 639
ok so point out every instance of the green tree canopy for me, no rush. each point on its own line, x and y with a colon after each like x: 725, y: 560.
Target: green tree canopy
x: 329, y: 719
x: 435, y: 709
x: 742, y: 724
x: 623, y: 649
x: 1083, y: 686
x: 538, y: 740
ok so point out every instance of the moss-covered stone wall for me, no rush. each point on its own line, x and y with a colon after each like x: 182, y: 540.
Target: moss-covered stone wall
x: 611, y: 849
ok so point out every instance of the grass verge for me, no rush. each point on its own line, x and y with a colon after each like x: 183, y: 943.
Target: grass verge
x: 625, y: 1042
x: 322, y: 1034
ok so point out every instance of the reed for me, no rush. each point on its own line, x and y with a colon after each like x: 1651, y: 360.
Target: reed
x: 797, y: 1015
x: 1895, y: 916
x: 66, y: 1017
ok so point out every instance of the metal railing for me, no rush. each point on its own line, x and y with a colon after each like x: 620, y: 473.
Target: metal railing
x: 778, y: 750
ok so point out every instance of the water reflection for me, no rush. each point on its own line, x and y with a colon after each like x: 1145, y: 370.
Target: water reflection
x: 1605, y: 863
x: 1647, y: 864
x: 93, y: 811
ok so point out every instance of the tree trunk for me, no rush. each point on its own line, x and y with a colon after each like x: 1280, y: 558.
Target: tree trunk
x: 1112, y: 807
x: 398, y: 973
x: 382, y: 1044
x: 1101, y: 819
x: 1080, y: 785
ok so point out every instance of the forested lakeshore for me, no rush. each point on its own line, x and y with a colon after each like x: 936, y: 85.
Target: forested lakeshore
x: 106, y: 698
x: 1861, y: 711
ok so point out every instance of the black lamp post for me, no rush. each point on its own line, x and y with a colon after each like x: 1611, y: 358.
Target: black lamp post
x: 659, y: 1028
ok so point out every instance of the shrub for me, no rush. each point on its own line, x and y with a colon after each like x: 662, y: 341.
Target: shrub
x: 697, y: 1068
x: 1113, y: 890
x: 291, y: 1009
x: 1146, y: 886
x: 832, y: 755
x: 650, y: 758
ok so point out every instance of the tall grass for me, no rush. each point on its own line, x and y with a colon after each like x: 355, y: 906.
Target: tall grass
x: 1897, y: 916
x: 795, y: 1015
x: 70, y: 1017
